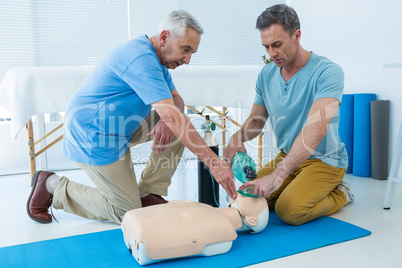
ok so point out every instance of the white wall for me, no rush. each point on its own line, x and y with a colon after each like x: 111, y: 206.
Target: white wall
x: 361, y: 36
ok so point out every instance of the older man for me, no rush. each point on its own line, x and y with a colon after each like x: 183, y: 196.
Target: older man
x: 112, y: 112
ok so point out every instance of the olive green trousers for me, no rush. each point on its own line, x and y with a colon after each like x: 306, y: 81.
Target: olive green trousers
x: 308, y: 192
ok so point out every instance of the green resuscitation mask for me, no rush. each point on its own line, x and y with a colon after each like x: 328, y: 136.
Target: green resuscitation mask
x: 244, y: 169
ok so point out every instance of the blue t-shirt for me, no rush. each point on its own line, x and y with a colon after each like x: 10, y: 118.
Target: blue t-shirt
x: 288, y: 104
x: 107, y: 109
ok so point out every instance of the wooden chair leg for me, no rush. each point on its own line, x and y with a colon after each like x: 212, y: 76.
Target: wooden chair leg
x: 259, y: 162
x: 223, y: 122
x: 31, y: 146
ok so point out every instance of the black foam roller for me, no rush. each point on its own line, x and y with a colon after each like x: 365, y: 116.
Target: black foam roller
x: 379, y: 110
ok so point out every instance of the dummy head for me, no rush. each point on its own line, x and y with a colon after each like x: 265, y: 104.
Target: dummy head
x: 254, y: 213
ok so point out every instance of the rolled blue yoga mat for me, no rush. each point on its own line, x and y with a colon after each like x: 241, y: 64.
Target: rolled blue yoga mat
x: 346, y: 127
x: 362, y: 135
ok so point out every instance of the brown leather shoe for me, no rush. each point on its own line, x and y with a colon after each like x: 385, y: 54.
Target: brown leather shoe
x: 40, y: 199
x: 152, y: 199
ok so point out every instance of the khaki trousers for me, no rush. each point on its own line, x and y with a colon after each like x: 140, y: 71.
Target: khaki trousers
x: 116, y: 189
x: 307, y: 193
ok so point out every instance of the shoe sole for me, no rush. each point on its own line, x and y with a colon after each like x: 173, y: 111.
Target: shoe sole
x: 33, y: 185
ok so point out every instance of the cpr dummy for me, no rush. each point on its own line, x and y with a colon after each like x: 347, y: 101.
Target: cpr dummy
x: 187, y: 229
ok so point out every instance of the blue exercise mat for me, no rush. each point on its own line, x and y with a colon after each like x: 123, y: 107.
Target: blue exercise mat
x: 107, y: 249
x: 346, y: 115
x: 362, y: 135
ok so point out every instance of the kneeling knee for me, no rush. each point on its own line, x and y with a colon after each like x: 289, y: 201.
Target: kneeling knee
x: 290, y: 213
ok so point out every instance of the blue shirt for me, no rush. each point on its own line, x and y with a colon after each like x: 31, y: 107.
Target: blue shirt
x: 288, y: 104
x: 107, y: 109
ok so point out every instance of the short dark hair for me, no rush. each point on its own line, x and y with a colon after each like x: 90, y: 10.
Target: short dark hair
x: 279, y: 14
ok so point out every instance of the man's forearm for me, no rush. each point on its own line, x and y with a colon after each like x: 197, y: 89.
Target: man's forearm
x: 189, y: 136
x: 178, y: 102
x: 250, y: 129
x: 303, y: 147
x: 182, y: 128
x: 320, y: 116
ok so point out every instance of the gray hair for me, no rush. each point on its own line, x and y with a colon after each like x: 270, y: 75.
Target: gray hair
x: 279, y: 14
x: 177, y: 22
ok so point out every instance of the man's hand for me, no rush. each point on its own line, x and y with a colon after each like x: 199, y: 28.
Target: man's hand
x: 222, y: 173
x: 163, y: 137
x: 235, y: 145
x: 264, y: 186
